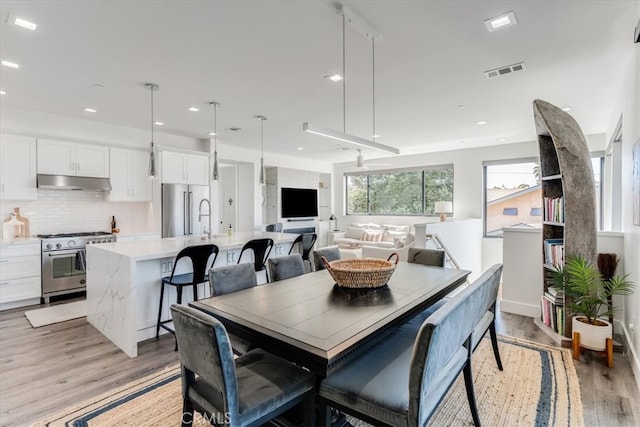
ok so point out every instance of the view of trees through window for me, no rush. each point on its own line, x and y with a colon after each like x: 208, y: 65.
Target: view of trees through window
x: 405, y: 192
x: 513, y: 195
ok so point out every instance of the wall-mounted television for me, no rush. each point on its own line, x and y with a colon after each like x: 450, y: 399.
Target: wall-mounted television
x: 299, y: 202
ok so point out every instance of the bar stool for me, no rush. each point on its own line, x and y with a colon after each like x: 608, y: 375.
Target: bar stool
x: 306, y: 241
x: 261, y: 249
x: 199, y: 255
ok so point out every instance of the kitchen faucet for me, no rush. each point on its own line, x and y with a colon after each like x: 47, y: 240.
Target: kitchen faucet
x: 200, y: 214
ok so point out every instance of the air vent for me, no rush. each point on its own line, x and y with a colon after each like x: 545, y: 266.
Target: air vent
x: 497, y: 72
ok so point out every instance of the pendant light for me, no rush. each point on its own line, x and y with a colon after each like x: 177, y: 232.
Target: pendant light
x: 152, y: 160
x: 215, y: 139
x: 262, y: 119
x: 367, y: 30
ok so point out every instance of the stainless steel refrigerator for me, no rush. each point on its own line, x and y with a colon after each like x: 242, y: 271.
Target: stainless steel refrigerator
x: 185, y: 210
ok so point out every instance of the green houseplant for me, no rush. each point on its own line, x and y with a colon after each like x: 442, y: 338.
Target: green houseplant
x: 588, y: 295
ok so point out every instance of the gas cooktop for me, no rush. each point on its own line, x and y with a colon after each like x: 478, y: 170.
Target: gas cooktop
x: 80, y: 234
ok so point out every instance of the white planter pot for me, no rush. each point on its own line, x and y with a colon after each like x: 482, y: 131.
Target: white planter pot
x: 591, y: 336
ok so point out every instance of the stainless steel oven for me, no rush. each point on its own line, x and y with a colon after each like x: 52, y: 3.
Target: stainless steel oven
x: 64, y: 261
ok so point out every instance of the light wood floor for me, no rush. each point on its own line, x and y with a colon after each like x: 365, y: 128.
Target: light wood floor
x: 46, y: 369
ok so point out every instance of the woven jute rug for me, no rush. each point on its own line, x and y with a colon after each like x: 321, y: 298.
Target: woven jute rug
x: 538, y: 387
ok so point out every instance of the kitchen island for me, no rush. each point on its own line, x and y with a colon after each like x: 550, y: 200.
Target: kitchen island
x: 123, y: 281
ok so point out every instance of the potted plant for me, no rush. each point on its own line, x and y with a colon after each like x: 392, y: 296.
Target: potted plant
x: 587, y: 294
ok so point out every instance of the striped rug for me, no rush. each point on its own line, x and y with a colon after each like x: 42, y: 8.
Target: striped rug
x: 538, y: 387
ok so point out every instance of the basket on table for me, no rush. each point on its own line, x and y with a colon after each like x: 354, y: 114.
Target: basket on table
x: 362, y: 272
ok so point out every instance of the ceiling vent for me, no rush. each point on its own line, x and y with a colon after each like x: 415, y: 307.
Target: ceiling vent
x: 234, y: 128
x: 501, y: 71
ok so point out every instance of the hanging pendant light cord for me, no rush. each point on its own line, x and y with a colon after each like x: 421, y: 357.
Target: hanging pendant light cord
x: 373, y: 84
x: 151, y: 88
x: 215, y: 128
x: 344, y: 78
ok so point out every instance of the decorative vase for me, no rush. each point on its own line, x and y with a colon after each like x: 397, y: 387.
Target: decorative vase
x: 593, y: 337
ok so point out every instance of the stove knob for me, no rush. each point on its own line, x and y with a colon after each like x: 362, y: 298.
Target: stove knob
x: 71, y: 243
x: 58, y: 245
x: 49, y: 246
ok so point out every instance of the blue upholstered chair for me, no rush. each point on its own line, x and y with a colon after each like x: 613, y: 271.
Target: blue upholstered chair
x: 433, y: 257
x: 232, y: 278
x: 402, y: 380
x: 284, y: 267
x: 331, y: 253
x: 249, y: 390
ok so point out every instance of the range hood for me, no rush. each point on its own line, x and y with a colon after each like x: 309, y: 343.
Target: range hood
x: 65, y: 182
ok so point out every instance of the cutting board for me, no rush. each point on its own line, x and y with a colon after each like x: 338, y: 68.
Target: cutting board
x: 25, y: 230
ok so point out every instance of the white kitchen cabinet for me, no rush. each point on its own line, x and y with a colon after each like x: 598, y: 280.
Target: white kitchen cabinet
x: 17, y: 168
x: 71, y: 158
x: 181, y: 168
x: 128, y: 171
x: 19, y: 273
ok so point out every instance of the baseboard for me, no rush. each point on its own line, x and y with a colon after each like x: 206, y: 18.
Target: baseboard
x: 634, y: 357
x: 514, y: 307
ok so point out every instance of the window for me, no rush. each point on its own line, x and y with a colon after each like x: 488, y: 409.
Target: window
x: 513, y: 194
x: 399, y: 192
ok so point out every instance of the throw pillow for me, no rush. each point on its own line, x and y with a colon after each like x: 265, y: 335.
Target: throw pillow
x: 372, y: 236
x: 390, y: 236
x: 354, y: 233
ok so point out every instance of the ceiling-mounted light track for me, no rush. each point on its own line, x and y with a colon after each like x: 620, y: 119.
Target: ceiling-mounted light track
x: 370, y: 33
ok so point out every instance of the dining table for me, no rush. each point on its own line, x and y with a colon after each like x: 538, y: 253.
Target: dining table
x: 311, y: 321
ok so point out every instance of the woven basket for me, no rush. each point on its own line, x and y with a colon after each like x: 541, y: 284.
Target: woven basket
x: 361, y: 272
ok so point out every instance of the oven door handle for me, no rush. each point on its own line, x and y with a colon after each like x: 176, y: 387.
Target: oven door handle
x: 65, y: 254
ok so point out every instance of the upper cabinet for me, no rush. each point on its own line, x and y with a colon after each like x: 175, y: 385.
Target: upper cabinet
x: 181, y: 168
x: 128, y: 171
x: 17, y: 168
x: 71, y: 158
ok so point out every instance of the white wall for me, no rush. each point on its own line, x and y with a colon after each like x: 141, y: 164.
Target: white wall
x: 628, y: 106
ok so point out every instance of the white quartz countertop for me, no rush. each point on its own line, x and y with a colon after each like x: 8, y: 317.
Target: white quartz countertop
x: 169, y: 247
x: 21, y: 241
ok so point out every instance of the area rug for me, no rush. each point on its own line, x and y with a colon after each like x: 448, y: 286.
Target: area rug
x: 538, y: 387
x: 56, y: 313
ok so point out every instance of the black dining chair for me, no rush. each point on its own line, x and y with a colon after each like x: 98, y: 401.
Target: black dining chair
x: 233, y: 278
x: 199, y: 256
x: 261, y: 249
x: 305, y: 242
x: 285, y: 267
x: 247, y: 391
x: 331, y: 253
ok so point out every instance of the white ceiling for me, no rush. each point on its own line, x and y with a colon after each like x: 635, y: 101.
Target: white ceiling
x: 269, y: 58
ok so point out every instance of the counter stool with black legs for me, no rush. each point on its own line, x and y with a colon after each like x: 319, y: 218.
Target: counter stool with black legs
x: 261, y: 249
x: 199, y: 255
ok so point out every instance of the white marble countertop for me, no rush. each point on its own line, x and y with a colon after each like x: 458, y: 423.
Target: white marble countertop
x: 165, y: 248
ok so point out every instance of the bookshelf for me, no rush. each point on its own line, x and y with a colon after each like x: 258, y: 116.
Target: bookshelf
x: 568, y: 199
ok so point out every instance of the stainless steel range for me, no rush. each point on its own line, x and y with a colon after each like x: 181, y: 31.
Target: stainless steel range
x: 64, y: 261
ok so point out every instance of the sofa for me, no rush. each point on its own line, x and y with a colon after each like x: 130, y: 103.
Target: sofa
x: 378, y: 240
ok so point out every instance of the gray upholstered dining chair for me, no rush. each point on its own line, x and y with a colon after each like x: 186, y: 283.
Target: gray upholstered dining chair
x: 401, y: 380
x: 284, y: 267
x: 250, y: 390
x: 433, y: 257
x: 331, y: 253
x: 232, y: 278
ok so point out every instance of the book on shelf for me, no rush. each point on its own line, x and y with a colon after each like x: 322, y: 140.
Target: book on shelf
x: 553, y: 209
x: 554, y: 252
x: 552, y: 313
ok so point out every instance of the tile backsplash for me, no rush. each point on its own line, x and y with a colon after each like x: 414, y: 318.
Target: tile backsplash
x: 61, y: 211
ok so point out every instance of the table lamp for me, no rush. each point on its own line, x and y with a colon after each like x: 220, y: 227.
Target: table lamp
x: 443, y: 208
x: 333, y: 223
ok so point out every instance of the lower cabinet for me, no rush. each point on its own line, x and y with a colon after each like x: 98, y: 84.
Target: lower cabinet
x: 19, y: 274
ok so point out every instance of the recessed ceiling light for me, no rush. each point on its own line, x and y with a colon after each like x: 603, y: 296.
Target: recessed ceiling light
x: 460, y: 107
x: 502, y: 140
x: 90, y: 110
x: 194, y: 109
x: 566, y: 109
x: 2, y: 92
x: 501, y: 22
x: 10, y: 64
x: 25, y: 24
x: 482, y: 122
x: 212, y: 134
x: 300, y: 148
x: 334, y: 77
x: 158, y: 123
x: 375, y: 136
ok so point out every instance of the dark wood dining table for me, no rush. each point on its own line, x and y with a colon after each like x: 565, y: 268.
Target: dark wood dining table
x: 313, y: 322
